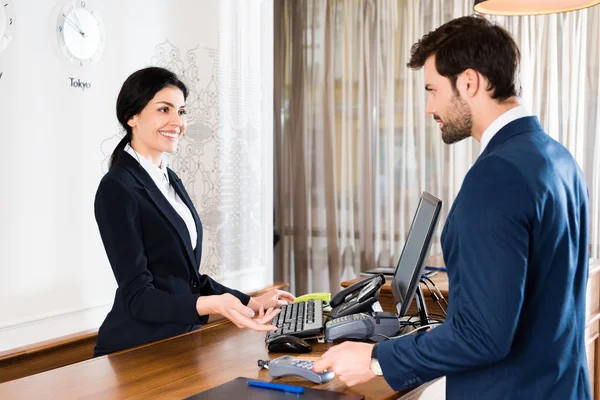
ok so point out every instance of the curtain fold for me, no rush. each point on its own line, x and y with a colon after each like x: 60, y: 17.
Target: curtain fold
x: 591, y: 125
x: 355, y: 149
x: 328, y: 147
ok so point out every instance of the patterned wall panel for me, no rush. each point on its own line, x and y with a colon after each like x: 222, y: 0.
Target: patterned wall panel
x: 219, y: 159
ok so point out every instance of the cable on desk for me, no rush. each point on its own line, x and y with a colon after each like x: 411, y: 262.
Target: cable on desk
x: 436, y: 318
x: 433, y: 295
x: 406, y: 334
x: 438, y: 291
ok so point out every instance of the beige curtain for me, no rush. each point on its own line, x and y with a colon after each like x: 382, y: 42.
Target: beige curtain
x: 354, y: 147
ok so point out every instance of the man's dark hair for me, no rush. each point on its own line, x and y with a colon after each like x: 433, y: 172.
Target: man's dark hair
x: 472, y: 42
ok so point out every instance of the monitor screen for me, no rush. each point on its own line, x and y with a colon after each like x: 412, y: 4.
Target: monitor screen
x: 412, y: 260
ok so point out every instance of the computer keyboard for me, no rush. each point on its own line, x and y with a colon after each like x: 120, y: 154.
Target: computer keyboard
x: 298, y: 319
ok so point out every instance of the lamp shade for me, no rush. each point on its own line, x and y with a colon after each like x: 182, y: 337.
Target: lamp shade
x: 530, y: 7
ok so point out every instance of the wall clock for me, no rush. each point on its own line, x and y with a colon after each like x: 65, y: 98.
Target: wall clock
x: 79, y: 32
x: 7, y: 23
x: 7, y: 26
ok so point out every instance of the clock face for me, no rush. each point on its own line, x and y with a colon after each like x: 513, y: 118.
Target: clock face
x: 7, y: 23
x: 80, y: 33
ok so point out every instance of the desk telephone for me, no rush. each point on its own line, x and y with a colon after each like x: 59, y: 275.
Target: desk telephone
x: 354, y: 314
x: 357, y: 298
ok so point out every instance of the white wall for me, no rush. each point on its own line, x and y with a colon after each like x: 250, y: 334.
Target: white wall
x: 54, y: 275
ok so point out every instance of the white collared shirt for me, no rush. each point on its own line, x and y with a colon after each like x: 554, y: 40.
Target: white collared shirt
x: 161, y: 179
x: 500, y: 122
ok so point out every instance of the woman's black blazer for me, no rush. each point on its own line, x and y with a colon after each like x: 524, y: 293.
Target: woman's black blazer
x: 150, y: 252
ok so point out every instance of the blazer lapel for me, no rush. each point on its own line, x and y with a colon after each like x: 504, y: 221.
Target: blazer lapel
x: 182, y: 193
x: 163, y: 205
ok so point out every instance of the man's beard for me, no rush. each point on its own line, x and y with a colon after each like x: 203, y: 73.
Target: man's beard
x: 458, y: 123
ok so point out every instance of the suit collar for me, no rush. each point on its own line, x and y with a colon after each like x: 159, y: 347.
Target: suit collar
x: 158, y: 174
x: 126, y: 161
x: 516, y: 127
x: 507, y: 117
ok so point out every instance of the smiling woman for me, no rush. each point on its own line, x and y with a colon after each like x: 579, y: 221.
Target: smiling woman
x: 152, y: 233
x: 160, y: 124
x: 151, y: 101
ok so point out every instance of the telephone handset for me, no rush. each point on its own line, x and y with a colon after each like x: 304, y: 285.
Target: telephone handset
x: 356, y: 298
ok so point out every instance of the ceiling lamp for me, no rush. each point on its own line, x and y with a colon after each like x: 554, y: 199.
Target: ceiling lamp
x: 530, y: 7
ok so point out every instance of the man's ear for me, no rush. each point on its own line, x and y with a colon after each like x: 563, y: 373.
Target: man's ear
x: 469, y: 81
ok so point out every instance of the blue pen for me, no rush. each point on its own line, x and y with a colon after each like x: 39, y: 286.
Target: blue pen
x: 429, y: 267
x: 277, y: 386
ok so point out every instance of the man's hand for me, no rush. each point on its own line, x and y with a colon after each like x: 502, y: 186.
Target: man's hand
x: 350, y: 361
x: 232, y: 308
x: 272, y: 298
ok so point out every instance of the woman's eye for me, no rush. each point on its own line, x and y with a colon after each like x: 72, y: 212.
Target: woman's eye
x: 163, y: 110
x: 182, y: 112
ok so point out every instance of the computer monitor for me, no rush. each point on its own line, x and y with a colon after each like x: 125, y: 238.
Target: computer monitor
x: 412, y: 260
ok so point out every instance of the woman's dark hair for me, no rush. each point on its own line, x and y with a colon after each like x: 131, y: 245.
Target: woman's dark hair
x: 472, y: 42
x: 137, y: 91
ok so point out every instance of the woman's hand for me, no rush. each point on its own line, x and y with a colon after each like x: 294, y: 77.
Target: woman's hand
x: 232, y: 308
x: 271, y: 299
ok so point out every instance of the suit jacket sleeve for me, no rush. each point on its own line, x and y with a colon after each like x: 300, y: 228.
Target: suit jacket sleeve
x: 490, y: 245
x: 116, y: 211
x: 210, y: 286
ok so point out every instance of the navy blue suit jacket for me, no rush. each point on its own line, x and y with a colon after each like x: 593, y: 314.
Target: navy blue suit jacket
x: 516, y: 247
x: 150, y: 252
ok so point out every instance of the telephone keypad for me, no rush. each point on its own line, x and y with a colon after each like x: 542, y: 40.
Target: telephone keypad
x: 347, y: 318
x: 306, y: 364
x: 290, y: 366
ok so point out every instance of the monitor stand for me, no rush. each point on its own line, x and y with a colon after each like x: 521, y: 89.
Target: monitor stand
x: 422, y: 307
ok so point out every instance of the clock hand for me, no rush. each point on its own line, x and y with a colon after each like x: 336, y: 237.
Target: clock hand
x: 73, y: 25
x: 78, y: 24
